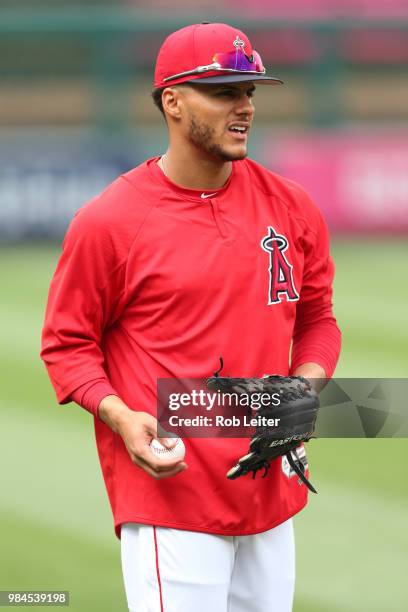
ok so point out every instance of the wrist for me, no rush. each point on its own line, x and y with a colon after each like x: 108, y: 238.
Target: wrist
x: 114, y: 412
x: 314, y: 373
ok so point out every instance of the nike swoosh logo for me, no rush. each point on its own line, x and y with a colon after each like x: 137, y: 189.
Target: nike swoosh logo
x: 207, y: 195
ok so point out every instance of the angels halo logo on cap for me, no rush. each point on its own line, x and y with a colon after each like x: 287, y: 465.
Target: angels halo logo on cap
x: 209, y: 53
x: 238, y: 43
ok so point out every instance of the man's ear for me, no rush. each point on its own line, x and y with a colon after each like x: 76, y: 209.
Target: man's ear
x: 172, y: 101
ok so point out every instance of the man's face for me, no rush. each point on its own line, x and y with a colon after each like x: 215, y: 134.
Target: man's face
x: 217, y: 118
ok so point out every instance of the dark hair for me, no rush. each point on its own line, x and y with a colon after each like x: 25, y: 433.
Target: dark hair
x: 157, y: 99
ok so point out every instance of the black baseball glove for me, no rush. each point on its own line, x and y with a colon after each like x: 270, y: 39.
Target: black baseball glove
x: 296, y: 410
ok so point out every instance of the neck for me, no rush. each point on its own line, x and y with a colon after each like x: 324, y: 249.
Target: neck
x: 195, y: 172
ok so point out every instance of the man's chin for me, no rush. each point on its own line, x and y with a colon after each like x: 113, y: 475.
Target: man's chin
x: 232, y: 155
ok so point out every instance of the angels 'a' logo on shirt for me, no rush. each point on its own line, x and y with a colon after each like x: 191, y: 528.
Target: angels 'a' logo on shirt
x: 280, y: 270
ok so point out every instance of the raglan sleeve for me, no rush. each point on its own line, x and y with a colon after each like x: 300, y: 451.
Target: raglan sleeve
x: 316, y: 337
x: 85, y: 298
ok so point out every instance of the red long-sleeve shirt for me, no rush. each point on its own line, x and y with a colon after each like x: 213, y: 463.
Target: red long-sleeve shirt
x: 158, y: 281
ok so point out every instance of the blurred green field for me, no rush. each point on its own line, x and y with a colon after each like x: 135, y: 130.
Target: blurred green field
x: 56, y: 528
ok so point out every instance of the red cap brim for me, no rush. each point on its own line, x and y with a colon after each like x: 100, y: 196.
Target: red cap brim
x: 237, y: 78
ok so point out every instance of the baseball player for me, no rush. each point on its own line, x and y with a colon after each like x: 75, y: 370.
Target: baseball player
x: 197, y: 253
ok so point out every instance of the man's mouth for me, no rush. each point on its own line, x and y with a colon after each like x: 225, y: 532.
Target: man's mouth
x: 239, y: 131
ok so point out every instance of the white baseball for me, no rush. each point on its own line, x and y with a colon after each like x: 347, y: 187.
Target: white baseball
x: 178, y: 451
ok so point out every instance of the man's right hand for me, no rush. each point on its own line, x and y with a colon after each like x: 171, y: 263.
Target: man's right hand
x: 137, y: 430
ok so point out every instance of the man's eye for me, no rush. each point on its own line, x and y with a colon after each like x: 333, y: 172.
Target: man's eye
x: 231, y: 93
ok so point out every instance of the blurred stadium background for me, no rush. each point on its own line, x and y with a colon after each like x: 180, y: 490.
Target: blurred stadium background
x: 75, y: 111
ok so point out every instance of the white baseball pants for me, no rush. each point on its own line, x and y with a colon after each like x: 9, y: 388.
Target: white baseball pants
x: 170, y: 570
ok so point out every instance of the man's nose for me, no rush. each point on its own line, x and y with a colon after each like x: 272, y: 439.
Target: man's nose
x: 245, y: 106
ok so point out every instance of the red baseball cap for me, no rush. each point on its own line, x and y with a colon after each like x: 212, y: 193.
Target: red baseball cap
x: 209, y: 53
